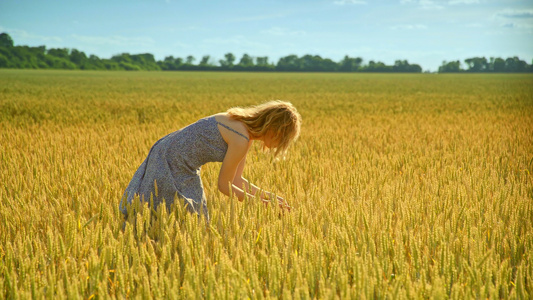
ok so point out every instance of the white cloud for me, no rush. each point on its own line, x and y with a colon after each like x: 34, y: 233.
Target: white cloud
x: 19, y: 34
x: 428, y: 4
x: 238, y: 41
x: 255, y: 18
x: 344, y: 2
x: 474, y: 25
x: 516, y: 14
x: 517, y: 25
x: 115, y: 40
x: 515, y: 19
x: 455, y: 2
x: 424, y: 4
x: 409, y: 27
x: 436, y: 4
x: 278, y: 31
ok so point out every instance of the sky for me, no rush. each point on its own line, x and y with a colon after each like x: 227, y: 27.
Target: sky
x: 425, y: 32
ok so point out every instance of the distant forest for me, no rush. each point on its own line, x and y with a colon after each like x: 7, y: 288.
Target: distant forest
x: 25, y: 57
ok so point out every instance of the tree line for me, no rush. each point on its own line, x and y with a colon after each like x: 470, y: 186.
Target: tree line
x: 492, y: 65
x: 25, y: 57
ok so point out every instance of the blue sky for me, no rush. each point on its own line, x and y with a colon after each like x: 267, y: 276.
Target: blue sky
x: 425, y: 32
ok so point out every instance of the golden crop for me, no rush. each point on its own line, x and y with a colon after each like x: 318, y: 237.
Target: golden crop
x: 402, y: 186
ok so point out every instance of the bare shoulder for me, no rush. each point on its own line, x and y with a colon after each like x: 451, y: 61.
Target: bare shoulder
x: 233, y: 132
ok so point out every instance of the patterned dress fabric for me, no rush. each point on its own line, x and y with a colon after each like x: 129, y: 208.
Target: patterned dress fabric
x: 172, y: 169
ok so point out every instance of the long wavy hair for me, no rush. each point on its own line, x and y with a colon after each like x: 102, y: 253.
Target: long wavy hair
x: 277, y: 117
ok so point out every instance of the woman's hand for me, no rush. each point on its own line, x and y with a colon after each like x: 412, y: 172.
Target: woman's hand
x: 283, y: 204
x: 267, y: 197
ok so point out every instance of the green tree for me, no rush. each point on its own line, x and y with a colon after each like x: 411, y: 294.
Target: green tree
x: 171, y: 63
x: 404, y: 67
x: 289, y: 63
x: 205, y: 60
x: 205, y: 64
x: 169, y: 59
x: 262, y: 64
x: 261, y: 61
x: 315, y: 63
x: 498, y: 65
x: 61, y: 53
x: 415, y: 68
x: 77, y: 57
x: 228, y: 61
x: 477, y: 64
x: 349, y: 64
x: 59, y: 58
x: 145, y: 61
x: 310, y: 63
x: 246, y: 61
x: 450, y: 67
x: 4, y: 62
x: 190, y: 60
x: 514, y: 64
x: 377, y: 67
x: 6, y: 40
x: 125, y: 62
x: 94, y: 63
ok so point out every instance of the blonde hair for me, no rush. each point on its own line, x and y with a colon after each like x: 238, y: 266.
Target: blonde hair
x: 277, y: 117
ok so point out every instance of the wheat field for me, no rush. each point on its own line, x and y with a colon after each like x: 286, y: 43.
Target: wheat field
x: 402, y: 187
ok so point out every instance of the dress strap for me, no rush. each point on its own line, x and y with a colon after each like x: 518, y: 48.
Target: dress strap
x: 229, y: 128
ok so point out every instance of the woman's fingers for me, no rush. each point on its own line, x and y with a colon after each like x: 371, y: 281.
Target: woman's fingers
x: 283, y: 204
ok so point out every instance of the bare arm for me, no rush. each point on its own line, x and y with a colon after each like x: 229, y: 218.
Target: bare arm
x: 230, y: 180
x: 242, y: 182
x: 236, y: 152
x: 245, y: 185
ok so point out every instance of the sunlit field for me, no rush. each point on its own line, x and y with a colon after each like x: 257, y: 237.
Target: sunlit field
x: 402, y: 186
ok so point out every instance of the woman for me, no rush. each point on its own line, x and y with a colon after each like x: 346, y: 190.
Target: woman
x: 172, y: 168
